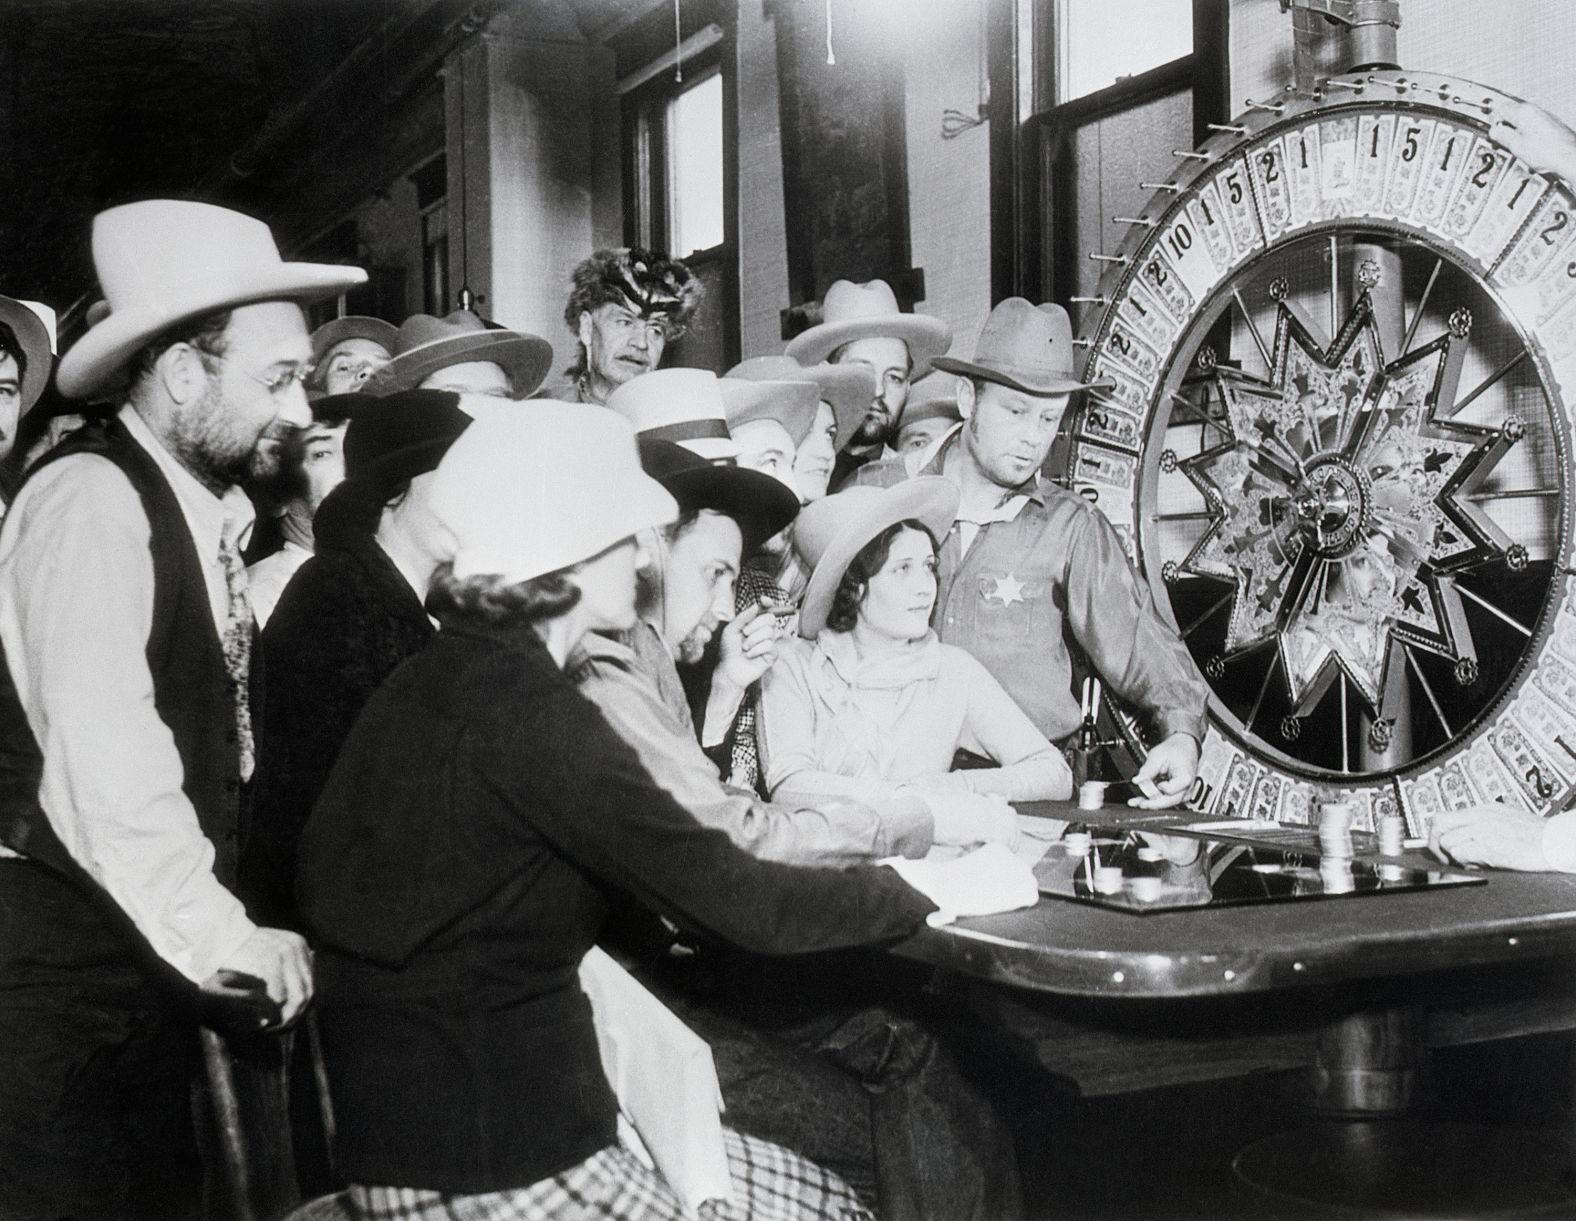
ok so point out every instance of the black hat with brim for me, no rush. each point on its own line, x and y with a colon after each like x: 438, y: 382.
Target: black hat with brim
x: 762, y: 506
x: 395, y: 437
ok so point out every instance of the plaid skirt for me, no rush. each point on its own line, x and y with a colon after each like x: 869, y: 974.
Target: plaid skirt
x: 770, y: 1183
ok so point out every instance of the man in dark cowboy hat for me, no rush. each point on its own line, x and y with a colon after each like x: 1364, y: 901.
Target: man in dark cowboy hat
x: 625, y: 306
x: 128, y: 749
x: 1027, y: 561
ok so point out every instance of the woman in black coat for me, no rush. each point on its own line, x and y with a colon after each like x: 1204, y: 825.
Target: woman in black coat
x: 460, y: 862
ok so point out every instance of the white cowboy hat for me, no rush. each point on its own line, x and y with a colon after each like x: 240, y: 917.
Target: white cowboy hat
x: 425, y: 344
x: 33, y: 326
x: 1025, y: 347
x: 530, y: 492
x: 684, y: 406
x: 756, y: 389
x: 830, y: 532
x: 870, y: 311
x: 162, y: 262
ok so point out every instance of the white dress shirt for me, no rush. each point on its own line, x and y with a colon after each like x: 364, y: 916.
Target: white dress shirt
x: 76, y: 607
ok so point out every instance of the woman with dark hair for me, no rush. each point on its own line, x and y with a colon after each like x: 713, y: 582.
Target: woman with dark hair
x: 877, y: 705
x: 460, y: 863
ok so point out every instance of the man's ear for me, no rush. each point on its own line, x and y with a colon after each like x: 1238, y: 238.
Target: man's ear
x: 181, y: 371
x: 585, y: 329
x: 966, y: 396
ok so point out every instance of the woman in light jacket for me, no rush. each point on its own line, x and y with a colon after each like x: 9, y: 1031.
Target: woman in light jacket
x: 871, y: 704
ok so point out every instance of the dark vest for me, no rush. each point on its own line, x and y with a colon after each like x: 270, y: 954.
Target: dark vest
x: 190, y: 683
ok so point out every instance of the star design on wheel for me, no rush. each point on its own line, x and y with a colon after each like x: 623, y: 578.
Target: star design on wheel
x: 1341, y: 505
x: 1009, y: 589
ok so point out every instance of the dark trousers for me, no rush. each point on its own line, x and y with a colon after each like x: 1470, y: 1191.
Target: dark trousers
x: 96, y: 1060
x: 845, y: 1059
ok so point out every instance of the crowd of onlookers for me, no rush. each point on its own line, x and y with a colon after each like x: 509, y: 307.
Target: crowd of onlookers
x: 354, y: 667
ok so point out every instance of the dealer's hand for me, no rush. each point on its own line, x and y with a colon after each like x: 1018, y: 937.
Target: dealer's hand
x: 1499, y: 836
x: 1171, y: 767
x: 1535, y: 136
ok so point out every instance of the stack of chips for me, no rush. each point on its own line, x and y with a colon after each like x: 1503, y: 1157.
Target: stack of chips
x: 1392, y: 835
x: 1335, y: 830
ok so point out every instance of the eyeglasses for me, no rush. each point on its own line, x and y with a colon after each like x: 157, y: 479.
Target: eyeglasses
x: 280, y: 382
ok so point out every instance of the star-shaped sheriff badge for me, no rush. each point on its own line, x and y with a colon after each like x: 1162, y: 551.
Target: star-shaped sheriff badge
x: 1341, y: 504
x: 1008, y: 588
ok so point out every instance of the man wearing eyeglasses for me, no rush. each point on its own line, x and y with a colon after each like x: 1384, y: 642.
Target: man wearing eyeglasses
x: 126, y: 739
x: 625, y: 306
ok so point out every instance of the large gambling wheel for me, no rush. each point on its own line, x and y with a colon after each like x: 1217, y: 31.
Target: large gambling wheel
x: 1341, y: 342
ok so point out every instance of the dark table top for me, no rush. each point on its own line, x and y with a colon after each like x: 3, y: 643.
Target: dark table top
x: 1074, y: 949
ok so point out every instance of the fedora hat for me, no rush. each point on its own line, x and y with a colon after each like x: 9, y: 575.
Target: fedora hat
x: 933, y: 397
x: 832, y: 531
x: 681, y: 405
x: 1027, y: 347
x: 162, y: 262
x: 756, y: 389
x: 36, y: 337
x: 869, y: 311
x: 762, y: 506
x: 352, y: 326
x: 523, y: 500
x: 424, y: 344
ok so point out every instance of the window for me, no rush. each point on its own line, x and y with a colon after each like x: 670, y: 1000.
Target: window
x: 431, y: 182
x: 694, y: 130
x: 1100, y: 42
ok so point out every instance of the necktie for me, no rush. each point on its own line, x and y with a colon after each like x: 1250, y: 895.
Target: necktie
x: 237, y: 641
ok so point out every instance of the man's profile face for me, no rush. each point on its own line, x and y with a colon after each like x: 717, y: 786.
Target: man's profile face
x: 350, y: 363
x: 889, y: 361
x: 10, y: 401
x: 238, y: 426
x: 698, y: 583
x: 1010, y: 432
x: 621, y: 344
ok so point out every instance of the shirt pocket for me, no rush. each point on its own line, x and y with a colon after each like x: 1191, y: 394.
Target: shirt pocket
x: 1015, y: 609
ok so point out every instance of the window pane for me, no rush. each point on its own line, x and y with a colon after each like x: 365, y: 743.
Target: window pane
x: 1106, y: 39
x: 695, y: 167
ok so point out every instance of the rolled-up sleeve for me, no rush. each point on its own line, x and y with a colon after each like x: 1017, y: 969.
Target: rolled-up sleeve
x: 76, y: 605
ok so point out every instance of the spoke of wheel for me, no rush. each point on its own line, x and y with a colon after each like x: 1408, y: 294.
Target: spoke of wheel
x: 1514, y: 494
x: 1204, y: 417
x: 1199, y: 622
x: 1463, y: 404
x: 1346, y: 748
x: 1200, y: 515
x: 1253, y: 330
x: 1433, y: 702
x: 1335, y: 283
x: 1422, y: 304
x: 1269, y: 673
x: 1495, y: 611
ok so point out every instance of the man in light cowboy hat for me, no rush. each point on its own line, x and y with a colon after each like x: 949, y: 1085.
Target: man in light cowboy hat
x: 861, y: 324
x: 931, y: 412
x: 347, y: 351
x: 1027, y: 562
x: 625, y: 306
x: 128, y: 748
x: 464, y: 354
x: 27, y: 354
x: 684, y: 406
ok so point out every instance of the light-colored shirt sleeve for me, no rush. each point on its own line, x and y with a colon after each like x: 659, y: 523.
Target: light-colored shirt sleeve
x: 1559, y: 841
x: 824, y: 833
x: 1031, y: 769
x: 76, y: 606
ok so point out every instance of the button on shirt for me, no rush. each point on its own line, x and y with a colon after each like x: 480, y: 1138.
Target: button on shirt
x: 76, y: 607
x: 1045, y: 562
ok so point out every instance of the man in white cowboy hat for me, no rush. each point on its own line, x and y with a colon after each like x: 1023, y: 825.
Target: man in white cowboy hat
x: 861, y: 324
x: 684, y: 406
x: 463, y: 353
x: 128, y: 748
x: 347, y: 351
x: 625, y: 306
x: 1026, y: 561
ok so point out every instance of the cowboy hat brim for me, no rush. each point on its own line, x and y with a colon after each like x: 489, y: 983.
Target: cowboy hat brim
x: 927, y: 338
x: 762, y: 506
x: 95, y: 361
x: 526, y: 359
x: 791, y: 404
x: 1017, y: 379
x: 33, y: 335
x: 930, y: 500
x: 352, y: 326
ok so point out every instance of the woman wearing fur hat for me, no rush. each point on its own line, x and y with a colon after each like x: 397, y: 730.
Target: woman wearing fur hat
x: 457, y: 867
x: 625, y: 306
